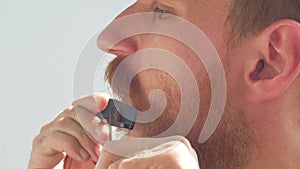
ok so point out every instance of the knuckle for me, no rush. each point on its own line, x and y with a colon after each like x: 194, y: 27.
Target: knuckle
x: 78, y: 100
x: 127, y: 163
x: 53, y: 134
x: 61, y: 122
x: 187, y: 143
x: 85, y: 141
x: 66, y: 112
x: 44, y: 128
x: 65, y: 140
x: 70, y: 142
x: 75, y: 102
x: 68, y: 109
x: 92, y: 95
x: 83, y: 137
x: 37, y: 140
x: 184, y: 141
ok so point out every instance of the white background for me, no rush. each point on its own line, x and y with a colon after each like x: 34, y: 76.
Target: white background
x: 39, y: 45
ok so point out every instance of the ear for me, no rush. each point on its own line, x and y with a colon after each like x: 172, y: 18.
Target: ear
x: 277, y: 63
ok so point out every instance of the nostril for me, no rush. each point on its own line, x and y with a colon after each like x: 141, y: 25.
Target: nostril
x: 123, y: 48
x: 119, y: 52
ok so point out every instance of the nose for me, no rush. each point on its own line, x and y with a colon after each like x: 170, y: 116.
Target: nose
x: 109, y: 39
x: 124, y: 48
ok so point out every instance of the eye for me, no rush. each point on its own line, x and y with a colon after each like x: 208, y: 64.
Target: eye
x: 161, y: 13
x: 158, y: 10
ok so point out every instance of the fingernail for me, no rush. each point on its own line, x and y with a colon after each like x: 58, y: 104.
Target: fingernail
x: 83, y: 153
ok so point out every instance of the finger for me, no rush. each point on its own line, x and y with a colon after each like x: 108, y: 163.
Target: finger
x: 94, y: 103
x: 68, y: 112
x: 106, y: 159
x: 131, y: 146
x: 38, y: 157
x: 92, y: 125
x: 173, y: 154
x: 149, y: 153
x: 58, y: 142
x: 115, y: 165
x: 132, y: 163
x: 190, y: 148
x: 73, y: 164
x: 140, y: 151
x: 87, y: 120
x: 71, y: 127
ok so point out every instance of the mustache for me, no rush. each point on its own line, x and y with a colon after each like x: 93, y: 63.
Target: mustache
x: 111, y: 68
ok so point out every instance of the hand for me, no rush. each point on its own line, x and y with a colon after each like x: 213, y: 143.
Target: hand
x: 65, y: 136
x: 164, y: 153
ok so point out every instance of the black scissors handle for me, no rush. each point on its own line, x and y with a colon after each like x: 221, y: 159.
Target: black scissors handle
x: 118, y: 114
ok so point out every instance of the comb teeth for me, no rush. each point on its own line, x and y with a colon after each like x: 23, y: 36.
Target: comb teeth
x: 118, y: 114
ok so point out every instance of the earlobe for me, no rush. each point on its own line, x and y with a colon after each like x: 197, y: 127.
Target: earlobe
x: 275, y: 70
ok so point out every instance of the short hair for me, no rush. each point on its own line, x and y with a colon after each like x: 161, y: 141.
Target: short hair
x: 249, y: 17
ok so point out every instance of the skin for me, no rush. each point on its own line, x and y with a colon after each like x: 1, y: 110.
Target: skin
x: 261, y: 123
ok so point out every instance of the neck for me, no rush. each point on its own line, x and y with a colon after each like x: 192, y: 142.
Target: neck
x: 277, y: 127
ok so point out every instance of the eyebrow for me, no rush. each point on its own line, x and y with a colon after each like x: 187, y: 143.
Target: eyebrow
x: 165, y: 5
x: 170, y: 3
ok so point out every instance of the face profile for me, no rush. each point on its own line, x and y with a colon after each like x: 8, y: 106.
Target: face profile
x: 215, y: 84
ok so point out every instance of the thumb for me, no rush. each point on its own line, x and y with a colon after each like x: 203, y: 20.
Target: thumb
x: 92, y: 125
x: 86, y: 107
x: 131, y: 146
x: 106, y: 159
x: 94, y: 103
x: 142, y: 152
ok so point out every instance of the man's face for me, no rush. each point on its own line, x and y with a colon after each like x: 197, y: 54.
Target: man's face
x: 230, y: 145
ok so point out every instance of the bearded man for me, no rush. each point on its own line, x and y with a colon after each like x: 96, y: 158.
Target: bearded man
x: 258, y: 43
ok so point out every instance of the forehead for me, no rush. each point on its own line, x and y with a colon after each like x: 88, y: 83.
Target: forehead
x: 199, y: 2
x: 193, y: 7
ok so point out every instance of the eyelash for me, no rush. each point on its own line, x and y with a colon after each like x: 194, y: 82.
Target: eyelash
x: 158, y: 10
x: 162, y: 14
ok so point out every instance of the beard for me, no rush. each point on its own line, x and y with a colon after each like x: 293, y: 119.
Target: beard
x: 231, y: 145
x: 136, y: 98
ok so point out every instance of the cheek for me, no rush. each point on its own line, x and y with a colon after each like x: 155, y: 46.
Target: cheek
x: 147, y: 81
x: 177, y: 48
x: 236, y: 85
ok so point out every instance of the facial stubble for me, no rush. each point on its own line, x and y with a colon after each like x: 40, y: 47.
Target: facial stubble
x: 231, y: 145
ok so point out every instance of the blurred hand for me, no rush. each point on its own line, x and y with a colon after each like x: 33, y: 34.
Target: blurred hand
x: 66, y: 136
x: 163, y: 153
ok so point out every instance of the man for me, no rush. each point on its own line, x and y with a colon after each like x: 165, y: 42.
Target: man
x: 259, y: 45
